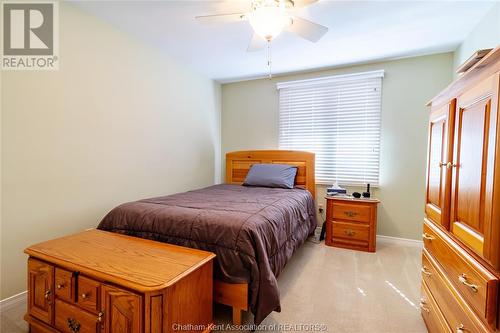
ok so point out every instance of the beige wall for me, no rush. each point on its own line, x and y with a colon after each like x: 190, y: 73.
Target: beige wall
x: 485, y: 35
x: 118, y: 122
x: 250, y: 121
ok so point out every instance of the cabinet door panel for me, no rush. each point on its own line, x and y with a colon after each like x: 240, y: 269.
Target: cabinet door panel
x: 40, y: 283
x: 122, y: 310
x: 438, y: 173
x: 471, y: 176
x: 473, y: 171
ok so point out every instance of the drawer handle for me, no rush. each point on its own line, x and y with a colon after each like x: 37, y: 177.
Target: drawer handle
x: 461, y: 328
x: 73, y: 325
x: 428, y: 237
x: 60, y: 286
x: 463, y: 280
x: 426, y: 271
x: 84, y: 296
x: 350, y: 232
x: 350, y: 213
x: 423, y: 307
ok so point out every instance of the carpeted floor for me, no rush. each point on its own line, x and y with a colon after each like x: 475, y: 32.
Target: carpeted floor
x: 333, y: 290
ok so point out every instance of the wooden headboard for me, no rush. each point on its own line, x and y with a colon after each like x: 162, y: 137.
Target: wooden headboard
x: 238, y: 163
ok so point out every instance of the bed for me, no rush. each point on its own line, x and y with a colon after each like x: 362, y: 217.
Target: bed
x: 253, y: 231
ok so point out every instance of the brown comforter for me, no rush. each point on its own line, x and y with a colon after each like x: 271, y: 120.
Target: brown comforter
x: 253, y: 231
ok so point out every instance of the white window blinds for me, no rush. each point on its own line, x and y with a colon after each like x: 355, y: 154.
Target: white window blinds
x: 337, y: 118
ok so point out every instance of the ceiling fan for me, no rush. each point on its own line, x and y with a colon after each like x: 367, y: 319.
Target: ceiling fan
x: 269, y: 18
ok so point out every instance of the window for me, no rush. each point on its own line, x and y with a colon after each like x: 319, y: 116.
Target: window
x: 338, y: 118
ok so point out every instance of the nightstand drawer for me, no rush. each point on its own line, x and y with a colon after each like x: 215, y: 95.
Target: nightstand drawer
x: 351, y: 212
x: 351, y: 231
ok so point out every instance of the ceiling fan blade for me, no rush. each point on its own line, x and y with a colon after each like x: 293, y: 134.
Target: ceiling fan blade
x: 221, y: 18
x: 307, y: 29
x: 257, y: 43
x: 303, y: 3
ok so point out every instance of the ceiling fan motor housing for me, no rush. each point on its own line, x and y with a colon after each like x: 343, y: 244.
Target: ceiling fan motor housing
x: 272, y: 3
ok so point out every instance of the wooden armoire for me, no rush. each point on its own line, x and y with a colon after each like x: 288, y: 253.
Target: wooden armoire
x: 461, y: 232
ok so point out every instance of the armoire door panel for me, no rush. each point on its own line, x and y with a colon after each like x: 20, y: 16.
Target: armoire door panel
x: 435, y: 159
x: 471, y: 163
x: 473, y: 167
x: 438, y: 168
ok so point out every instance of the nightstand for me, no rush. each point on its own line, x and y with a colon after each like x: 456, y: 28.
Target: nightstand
x: 351, y: 223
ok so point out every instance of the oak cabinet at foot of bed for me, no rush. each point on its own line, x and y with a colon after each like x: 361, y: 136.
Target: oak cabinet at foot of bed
x: 110, y: 283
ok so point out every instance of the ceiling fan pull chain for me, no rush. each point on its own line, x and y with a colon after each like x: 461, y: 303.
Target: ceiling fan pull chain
x: 269, y: 61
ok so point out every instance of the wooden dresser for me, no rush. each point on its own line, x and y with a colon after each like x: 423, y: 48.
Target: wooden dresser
x: 351, y: 223
x: 461, y: 231
x: 102, y: 282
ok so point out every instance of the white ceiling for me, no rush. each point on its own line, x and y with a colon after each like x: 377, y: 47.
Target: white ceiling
x: 360, y: 31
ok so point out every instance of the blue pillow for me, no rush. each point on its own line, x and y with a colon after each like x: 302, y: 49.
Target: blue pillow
x: 271, y: 175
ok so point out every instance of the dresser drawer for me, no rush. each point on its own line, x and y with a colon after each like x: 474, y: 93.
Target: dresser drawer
x: 351, y: 212
x: 476, y: 284
x: 433, y: 317
x: 69, y: 316
x: 457, y: 312
x: 88, y: 293
x: 64, y: 285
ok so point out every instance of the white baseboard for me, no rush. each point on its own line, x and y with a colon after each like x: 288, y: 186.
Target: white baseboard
x: 12, y: 301
x: 398, y: 240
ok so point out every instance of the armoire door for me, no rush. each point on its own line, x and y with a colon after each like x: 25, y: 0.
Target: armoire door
x: 122, y: 310
x: 437, y: 205
x: 473, y: 167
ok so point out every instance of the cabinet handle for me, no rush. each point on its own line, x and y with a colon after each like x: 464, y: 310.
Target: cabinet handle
x: 350, y: 213
x: 450, y: 165
x: 428, y: 237
x: 100, y: 316
x: 463, y: 280
x: 73, y: 325
x: 426, y: 271
x: 47, y: 296
x: 423, y: 307
x: 84, y: 296
x: 350, y: 232
x: 60, y: 286
x: 461, y: 328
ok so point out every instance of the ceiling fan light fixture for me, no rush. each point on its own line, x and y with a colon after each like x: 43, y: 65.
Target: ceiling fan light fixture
x: 269, y: 21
